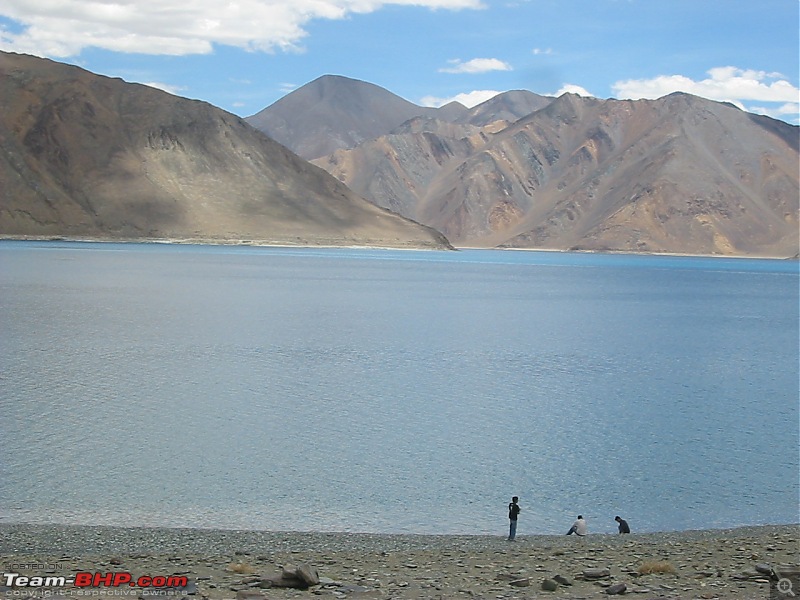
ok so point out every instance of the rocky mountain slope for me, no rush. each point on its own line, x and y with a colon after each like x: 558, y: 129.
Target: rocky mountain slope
x: 88, y: 156
x: 334, y: 112
x: 679, y: 174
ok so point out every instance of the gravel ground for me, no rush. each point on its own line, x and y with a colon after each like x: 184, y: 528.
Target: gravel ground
x: 219, y: 564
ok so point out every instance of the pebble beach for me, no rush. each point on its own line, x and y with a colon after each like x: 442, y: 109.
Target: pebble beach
x: 741, y: 563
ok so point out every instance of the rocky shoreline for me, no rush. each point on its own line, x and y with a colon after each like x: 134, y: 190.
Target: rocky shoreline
x: 251, y: 565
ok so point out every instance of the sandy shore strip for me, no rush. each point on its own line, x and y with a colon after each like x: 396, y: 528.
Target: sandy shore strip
x: 247, y: 565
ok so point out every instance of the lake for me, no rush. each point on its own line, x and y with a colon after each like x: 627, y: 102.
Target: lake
x: 386, y: 391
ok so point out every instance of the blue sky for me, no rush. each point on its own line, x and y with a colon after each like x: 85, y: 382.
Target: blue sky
x: 244, y: 55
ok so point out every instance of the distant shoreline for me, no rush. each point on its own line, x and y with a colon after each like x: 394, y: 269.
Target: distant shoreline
x: 36, y: 537
x: 376, y: 246
x: 638, y: 253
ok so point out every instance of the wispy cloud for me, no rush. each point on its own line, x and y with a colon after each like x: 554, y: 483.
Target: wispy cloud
x: 468, y: 99
x: 476, y: 65
x: 176, y: 27
x: 542, y: 51
x: 569, y: 88
x: 175, y: 90
x: 724, y: 84
x: 781, y: 111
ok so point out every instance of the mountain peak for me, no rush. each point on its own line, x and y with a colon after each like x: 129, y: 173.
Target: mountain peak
x: 333, y: 112
x: 328, y: 86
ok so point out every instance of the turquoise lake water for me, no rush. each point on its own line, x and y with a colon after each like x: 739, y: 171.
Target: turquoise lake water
x: 395, y: 391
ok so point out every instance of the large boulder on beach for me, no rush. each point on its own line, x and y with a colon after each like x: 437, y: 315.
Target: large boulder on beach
x: 596, y: 573
x: 298, y: 577
x: 548, y: 585
x: 763, y: 568
x: 561, y: 580
x: 307, y: 574
x: 617, y: 588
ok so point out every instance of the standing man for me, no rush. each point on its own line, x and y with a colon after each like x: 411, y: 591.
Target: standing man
x: 513, y: 512
x: 623, y: 525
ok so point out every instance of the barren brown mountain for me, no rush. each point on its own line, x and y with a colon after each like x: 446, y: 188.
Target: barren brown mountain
x: 331, y: 113
x: 87, y: 156
x: 338, y: 113
x: 676, y: 175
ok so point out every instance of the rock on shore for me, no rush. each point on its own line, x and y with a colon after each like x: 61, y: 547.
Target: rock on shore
x: 252, y: 565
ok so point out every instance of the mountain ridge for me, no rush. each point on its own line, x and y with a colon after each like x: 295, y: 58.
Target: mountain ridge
x: 85, y: 155
x: 94, y: 157
x: 340, y: 112
x: 679, y: 174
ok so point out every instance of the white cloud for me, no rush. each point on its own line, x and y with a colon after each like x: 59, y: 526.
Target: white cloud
x: 787, y: 112
x: 724, y: 84
x: 468, y: 99
x: 61, y: 28
x: 476, y: 65
x: 569, y: 88
x: 539, y: 51
x: 175, y: 90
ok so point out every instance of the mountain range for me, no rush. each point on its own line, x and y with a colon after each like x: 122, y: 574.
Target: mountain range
x: 680, y: 174
x: 93, y: 157
x: 338, y: 113
x: 344, y: 162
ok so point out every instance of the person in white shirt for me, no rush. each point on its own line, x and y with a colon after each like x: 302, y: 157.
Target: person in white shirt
x: 578, y: 527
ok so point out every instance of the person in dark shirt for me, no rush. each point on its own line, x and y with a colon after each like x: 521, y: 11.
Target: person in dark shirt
x: 623, y: 525
x: 513, y: 512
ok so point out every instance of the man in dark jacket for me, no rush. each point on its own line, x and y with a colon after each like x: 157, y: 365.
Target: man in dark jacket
x: 513, y: 512
x: 623, y: 525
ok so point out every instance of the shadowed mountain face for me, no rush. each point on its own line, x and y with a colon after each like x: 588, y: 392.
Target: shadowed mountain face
x: 333, y: 113
x: 676, y: 175
x: 84, y: 155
